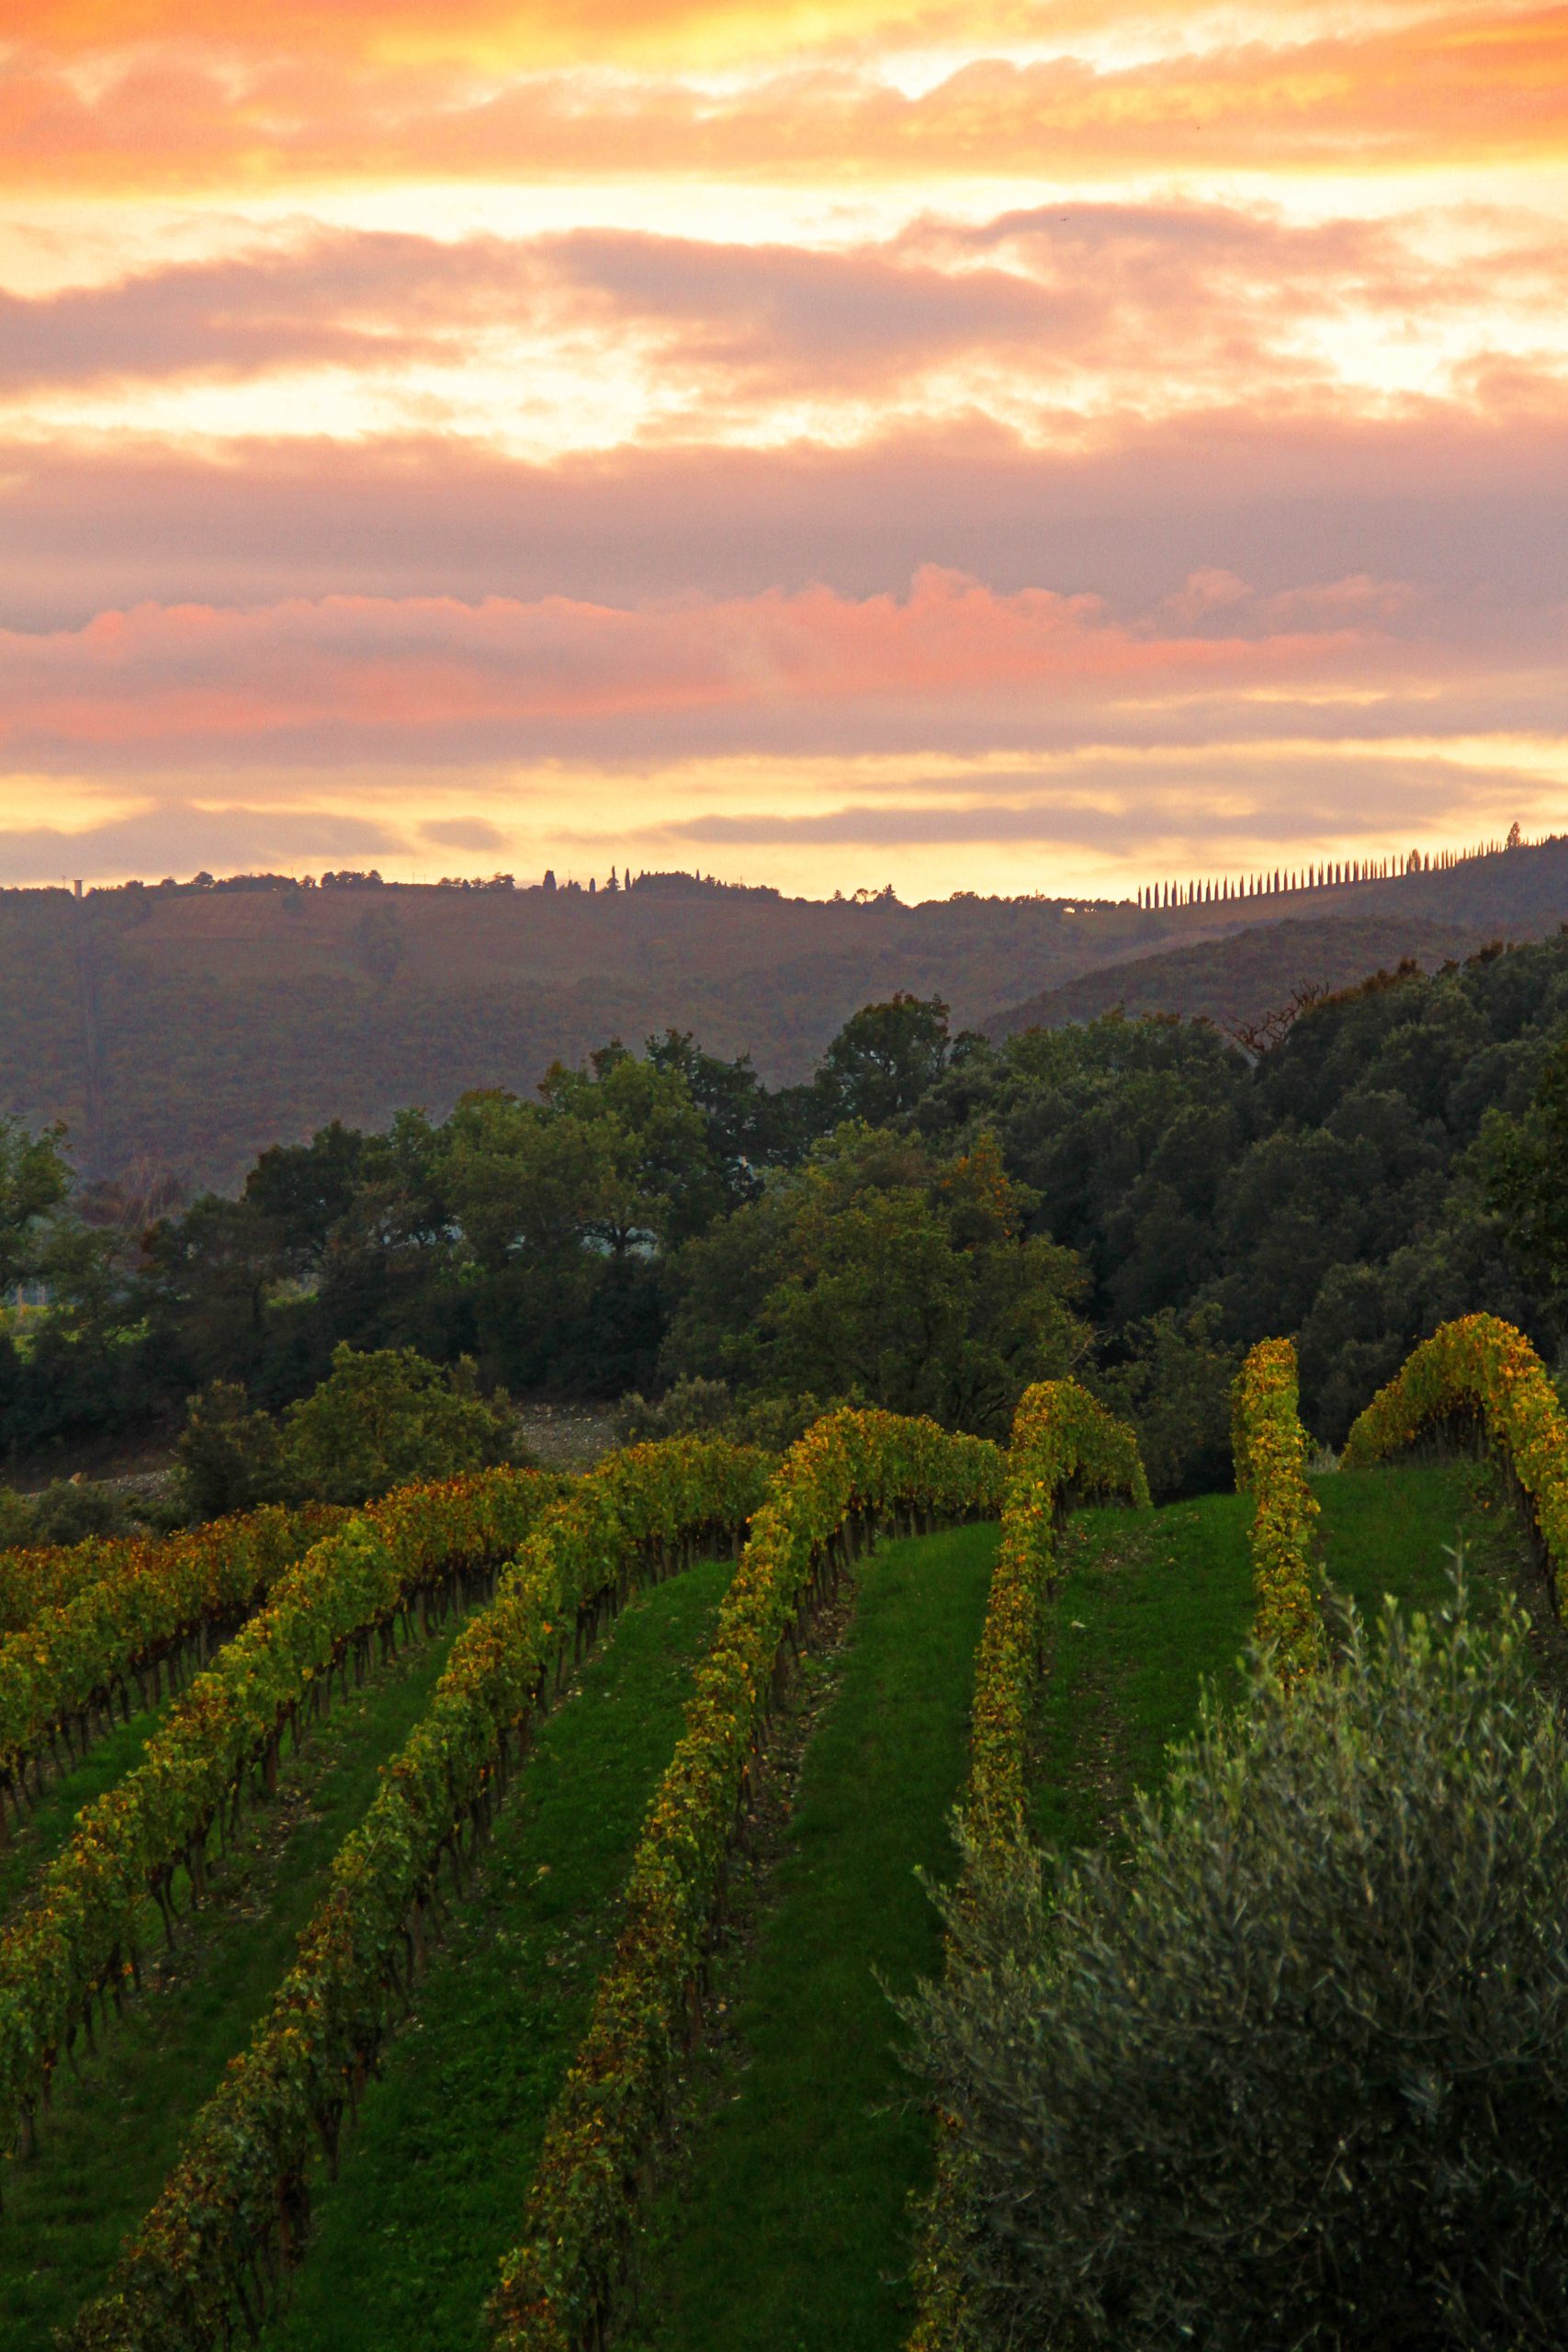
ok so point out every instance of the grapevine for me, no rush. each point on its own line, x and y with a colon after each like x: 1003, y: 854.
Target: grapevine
x: 1269, y: 1448
x: 1481, y: 1370
x: 232, y: 2211
x: 847, y: 1475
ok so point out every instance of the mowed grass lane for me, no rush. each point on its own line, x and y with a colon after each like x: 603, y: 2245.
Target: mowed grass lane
x: 1151, y: 1608
x: 429, y: 2190
x: 39, y: 1836
x: 789, y: 2231
x: 115, y: 2126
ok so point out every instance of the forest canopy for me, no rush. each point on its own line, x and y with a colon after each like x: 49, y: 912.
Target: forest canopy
x: 930, y: 1222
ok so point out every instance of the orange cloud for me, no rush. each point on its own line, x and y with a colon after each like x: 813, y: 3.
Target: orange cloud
x: 1464, y: 88
x: 507, y: 673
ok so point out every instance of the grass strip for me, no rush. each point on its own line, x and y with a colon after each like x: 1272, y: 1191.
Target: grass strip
x: 1148, y: 1606
x: 846, y: 1475
x: 409, y: 2236
x: 233, y: 2215
x: 115, y: 2129
x: 789, y: 2231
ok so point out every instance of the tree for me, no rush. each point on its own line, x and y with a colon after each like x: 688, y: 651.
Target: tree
x: 1294, y: 2077
x: 35, y: 1177
x: 228, y: 1453
x: 884, y: 1059
x: 1526, y: 1177
x: 384, y: 1419
x: 875, y: 1272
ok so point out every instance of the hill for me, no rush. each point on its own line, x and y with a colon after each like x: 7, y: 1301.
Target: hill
x: 1240, y: 980
x: 187, y: 1027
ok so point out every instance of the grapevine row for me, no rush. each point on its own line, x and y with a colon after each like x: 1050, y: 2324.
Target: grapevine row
x: 1269, y: 1448
x: 76, y: 1662
x: 76, y: 1940
x: 45, y: 1576
x: 234, y: 2208
x: 1482, y: 1370
x: 1065, y: 1448
x: 843, y: 1479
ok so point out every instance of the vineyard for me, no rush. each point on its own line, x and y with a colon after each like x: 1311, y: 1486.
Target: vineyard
x: 475, y: 1919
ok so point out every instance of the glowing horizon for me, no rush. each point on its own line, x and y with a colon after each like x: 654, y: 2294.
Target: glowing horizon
x: 1035, y: 448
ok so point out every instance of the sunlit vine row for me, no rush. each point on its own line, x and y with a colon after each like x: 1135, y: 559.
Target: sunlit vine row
x: 1268, y: 1444
x: 232, y: 2211
x: 76, y: 1940
x: 1066, y: 1448
x: 1481, y: 1370
x: 847, y: 1475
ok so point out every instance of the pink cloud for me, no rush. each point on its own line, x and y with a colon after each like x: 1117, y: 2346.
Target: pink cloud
x: 166, y: 681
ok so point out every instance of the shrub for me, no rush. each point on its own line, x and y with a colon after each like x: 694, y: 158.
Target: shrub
x: 1294, y: 2075
x: 691, y: 1409
x: 228, y: 1453
x: 390, y: 1419
x: 1174, y: 1388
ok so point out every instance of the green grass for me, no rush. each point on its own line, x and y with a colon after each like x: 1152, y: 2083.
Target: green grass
x: 430, y: 2192
x: 1151, y: 1604
x: 36, y: 1839
x: 110, y: 2136
x: 1151, y: 1607
x: 789, y: 2231
x: 1396, y: 1530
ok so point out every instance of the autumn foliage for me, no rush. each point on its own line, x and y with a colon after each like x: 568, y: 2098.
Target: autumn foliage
x: 1481, y: 1371
x: 233, y: 2211
x: 1270, y: 1455
x: 849, y: 1475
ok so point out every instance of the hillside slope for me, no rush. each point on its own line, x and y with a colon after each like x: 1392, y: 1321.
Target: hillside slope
x: 1241, y: 978
x: 189, y: 1028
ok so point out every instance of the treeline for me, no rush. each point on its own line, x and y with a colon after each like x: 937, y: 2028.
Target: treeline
x: 929, y: 1224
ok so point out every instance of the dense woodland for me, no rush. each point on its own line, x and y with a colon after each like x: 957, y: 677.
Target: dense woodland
x: 930, y: 1222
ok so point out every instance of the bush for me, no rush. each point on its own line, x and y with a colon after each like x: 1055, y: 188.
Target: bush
x: 383, y: 1419
x: 228, y: 1453
x: 66, y: 1512
x: 1175, y: 1388
x: 1296, y: 2073
x: 691, y: 1409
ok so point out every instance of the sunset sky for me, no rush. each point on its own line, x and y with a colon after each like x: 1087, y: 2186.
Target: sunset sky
x: 1005, y: 448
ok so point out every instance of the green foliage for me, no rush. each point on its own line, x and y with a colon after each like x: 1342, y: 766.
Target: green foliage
x: 228, y: 1453
x: 877, y: 1272
x: 387, y: 1419
x: 884, y: 1059
x: 1174, y: 1386
x: 66, y: 1512
x: 1525, y: 1165
x: 35, y: 1177
x: 1294, y: 2077
x: 689, y: 1407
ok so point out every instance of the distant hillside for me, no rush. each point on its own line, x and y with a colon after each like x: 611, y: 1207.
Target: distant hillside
x: 1244, y: 978
x: 183, y: 1029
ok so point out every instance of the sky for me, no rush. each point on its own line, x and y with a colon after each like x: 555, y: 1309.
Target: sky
x: 1016, y: 447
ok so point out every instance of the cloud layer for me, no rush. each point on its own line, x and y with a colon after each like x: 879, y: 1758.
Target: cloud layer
x: 1029, y: 432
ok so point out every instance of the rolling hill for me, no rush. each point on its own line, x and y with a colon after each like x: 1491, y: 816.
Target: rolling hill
x: 186, y: 1028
